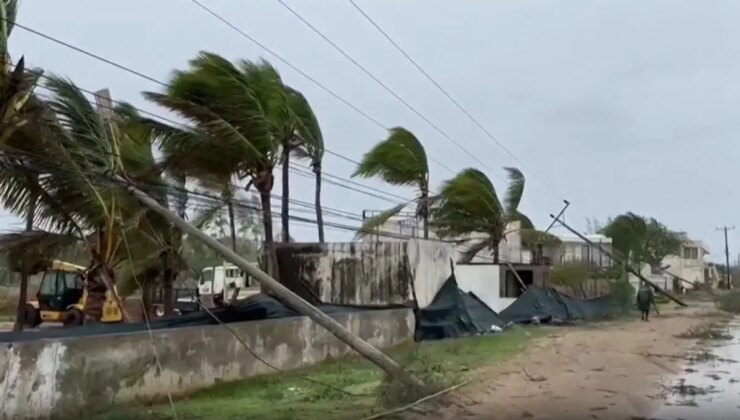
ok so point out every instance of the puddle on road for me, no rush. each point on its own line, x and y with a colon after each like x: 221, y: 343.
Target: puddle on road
x: 709, y: 387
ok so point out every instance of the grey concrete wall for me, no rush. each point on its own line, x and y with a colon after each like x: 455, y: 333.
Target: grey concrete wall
x: 366, y: 273
x: 63, y: 378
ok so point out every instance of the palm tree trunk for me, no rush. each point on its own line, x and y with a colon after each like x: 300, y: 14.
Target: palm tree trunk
x: 96, y: 289
x: 495, y: 248
x: 168, y: 282
x: 232, y: 224
x: 425, y: 212
x: 263, y: 183
x: 25, y: 264
x: 285, y: 213
x: 317, y: 202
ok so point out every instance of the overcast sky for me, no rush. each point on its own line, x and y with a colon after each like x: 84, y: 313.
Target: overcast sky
x: 614, y: 105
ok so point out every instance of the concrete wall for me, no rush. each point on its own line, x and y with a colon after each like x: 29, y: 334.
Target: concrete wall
x: 484, y: 281
x: 366, y: 273
x: 64, y: 378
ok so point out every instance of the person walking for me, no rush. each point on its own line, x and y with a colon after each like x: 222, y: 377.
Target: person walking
x: 645, y: 299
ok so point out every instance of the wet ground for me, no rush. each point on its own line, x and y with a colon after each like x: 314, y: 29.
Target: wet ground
x: 709, y: 386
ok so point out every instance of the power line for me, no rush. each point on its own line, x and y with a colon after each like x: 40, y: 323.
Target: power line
x: 433, y: 81
x: 324, y: 173
x: 382, y: 84
x: 42, y: 164
x: 307, y: 76
x: 163, y: 84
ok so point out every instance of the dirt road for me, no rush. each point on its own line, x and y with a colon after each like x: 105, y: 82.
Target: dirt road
x: 592, y: 372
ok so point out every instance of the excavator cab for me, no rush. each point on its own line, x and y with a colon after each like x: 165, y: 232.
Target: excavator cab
x: 61, y: 298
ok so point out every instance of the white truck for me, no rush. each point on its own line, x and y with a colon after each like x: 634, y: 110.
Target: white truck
x: 218, y: 284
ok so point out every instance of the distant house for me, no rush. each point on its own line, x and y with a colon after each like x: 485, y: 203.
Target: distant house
x: 573, y: 249
x: 690, y: 264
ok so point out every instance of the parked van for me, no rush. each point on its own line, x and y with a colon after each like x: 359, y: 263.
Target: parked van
x: 218, y: 284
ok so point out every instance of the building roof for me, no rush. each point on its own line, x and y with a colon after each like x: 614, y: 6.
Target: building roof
x: 596, y: 238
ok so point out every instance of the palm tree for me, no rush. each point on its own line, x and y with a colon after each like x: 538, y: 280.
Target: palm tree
x: 76, y: 199
x: 398, y: 160
x: 468, y: 206
x: 469, y: 209
x: 241, y: 109
x: 642, y: 240
x: 310, y: 145
x: 19, y: 192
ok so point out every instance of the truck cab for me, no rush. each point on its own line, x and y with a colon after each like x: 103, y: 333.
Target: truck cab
x: 217, y: 284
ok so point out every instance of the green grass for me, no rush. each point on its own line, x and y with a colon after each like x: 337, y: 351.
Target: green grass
x: 287, y: 396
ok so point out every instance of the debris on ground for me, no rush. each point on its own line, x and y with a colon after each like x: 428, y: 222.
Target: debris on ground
x: 706, y: 332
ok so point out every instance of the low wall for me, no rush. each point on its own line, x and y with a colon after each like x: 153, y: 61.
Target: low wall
x: 366, y: 273
x: 62, y: 378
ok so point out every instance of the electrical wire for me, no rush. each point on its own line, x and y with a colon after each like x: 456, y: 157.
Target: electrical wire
x: 302, y: 73
x: 163, y: 84
x: 383, y: 85
x: 333, y: 179
x: 148, y: 324
x: 434, y: 82
x: 52, y: 166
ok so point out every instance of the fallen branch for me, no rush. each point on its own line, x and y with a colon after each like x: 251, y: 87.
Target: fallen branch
x: 417, y: 402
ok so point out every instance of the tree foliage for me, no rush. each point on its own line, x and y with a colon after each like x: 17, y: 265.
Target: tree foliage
x: 642, y: 240
x: 399, y: 160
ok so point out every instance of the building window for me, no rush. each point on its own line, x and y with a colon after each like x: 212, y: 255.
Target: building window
x: 691, y: 253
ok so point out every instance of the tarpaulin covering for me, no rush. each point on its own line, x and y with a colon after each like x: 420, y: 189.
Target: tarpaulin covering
x: 254, y: 308
x: 454, y: 313
x: 548, y: 305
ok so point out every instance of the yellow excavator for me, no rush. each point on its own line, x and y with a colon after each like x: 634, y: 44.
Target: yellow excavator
x: 61, y: 298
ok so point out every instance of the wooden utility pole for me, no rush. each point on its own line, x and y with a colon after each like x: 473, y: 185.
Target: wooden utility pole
x: 630, y: 269
x: 296, y: 302
x: 728, y: 283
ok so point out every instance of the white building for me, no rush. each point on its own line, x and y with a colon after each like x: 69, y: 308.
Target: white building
x: 690, y: 264
x: 406, y: 225
x: 574, y: 249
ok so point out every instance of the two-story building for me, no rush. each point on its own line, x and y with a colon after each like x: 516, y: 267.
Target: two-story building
x: 690, y: 264
x: 573, y: 249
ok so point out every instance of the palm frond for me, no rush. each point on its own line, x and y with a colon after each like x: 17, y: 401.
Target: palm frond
x: 515, y: 190
x: 307, y: 125
x: 468, y: 204
x: 400, y: 159
x: 371, y: 225
x: 207, y: 215
x: 472, y: 250
x: 36, y: 247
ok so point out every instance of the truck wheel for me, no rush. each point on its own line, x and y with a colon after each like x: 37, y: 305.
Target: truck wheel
x: 31, y: 316
x: 73, y: 318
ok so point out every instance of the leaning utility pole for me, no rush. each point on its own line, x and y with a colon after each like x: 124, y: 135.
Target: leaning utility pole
x: 560, y: 216
x: 296, y: 302
x: 727, y: 256
x: 630, y: 269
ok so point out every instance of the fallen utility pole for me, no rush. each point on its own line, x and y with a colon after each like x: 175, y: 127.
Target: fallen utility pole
x: 557, y: 218
x: 630, y: 269
x: 296, y: 302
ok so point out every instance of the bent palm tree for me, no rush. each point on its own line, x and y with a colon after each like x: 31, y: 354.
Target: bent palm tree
x: 531, y: 237
x: 241, y: 109
x: 311, y: 146
x: 398, y: 160
x: 468, y: 206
